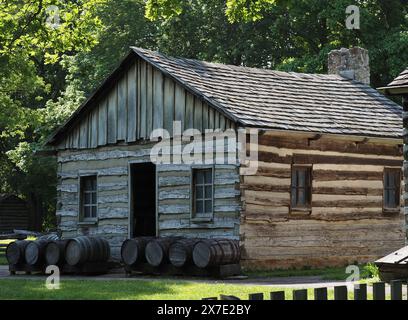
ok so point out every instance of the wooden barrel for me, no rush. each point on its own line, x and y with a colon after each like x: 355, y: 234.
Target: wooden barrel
x: 157, y: 250
x: 133, y: 250
x: 15, y: 252
x: 181, y: 252
x: 86, y: 249
x: 212, y: 252
x: 55, y: 252
x: 35, y: 252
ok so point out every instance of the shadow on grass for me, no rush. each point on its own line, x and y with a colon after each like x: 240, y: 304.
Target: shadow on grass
x: 88, y: 289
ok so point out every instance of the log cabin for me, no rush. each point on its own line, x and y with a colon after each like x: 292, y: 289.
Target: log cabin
x: 399, y: 87
x: 315, y: 179
x: 14, y: 213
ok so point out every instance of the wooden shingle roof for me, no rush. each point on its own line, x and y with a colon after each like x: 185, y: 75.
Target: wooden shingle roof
x: 286, y: 100
x: 267, y: 99
x: 401, y: 80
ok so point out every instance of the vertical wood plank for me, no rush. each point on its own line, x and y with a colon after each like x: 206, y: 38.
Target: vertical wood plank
x: 217, y: 120
x: 149, y: 100
x: 340, y: 293
x: 379, y: 291
x: 168, y: 108
x: 112, y: 115
x: 256, y: 296
x: 158, y: 101
x: 222, y: 122
x: 198, y: 114
x: 360, y: 292
x: 102, y: 123
x: 320, y: 293
x: 94, y: 127
x: 83, y: 138
x: 122, y: 108
x: 396, y: 289
x: 75, y: 142
x: 131, y: 104
x: 180, y: 105
x: 300, y: 294
x: 277, y: 295
x: 143, y: 99
x: 205, y: 116
x: 211, y: 118
x: 189, y: 111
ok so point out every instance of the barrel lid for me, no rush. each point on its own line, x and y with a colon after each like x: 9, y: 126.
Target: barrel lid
x: 178, y: 254
x: 52, y: 253
x: 32, y: 253
x: 154, y: 253
x: 201, y: 254
x: 13, y: 253
x: 73, y: 253
x: 130, y: 252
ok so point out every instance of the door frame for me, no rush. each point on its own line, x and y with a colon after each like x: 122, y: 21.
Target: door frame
x: 130, y: 197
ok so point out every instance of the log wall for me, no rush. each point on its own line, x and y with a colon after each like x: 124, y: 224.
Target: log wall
x: 346, y: 224
x: 111, y: 164
x: 14, y: 214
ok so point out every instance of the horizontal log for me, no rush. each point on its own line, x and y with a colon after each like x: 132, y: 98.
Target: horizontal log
x: 310, y: 159
x: 330, y: 145
x: 348, y: 203
x: 104, y: 155
x: 348, y: 191
x: 330, y: 175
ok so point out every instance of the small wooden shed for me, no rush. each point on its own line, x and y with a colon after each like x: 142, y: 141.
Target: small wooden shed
x: 327, y: 189
x: 399, y: 87
x: 14, y: 213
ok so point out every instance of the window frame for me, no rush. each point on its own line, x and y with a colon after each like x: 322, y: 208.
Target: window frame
x: 207, y: 217
x: 301, y: 209
x: 81, y: 217
x: 398, y: 189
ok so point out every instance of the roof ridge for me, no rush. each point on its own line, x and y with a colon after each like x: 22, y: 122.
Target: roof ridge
x: 225, y: 65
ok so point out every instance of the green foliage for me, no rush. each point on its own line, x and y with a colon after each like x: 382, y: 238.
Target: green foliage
x: 30, y: 52
x: 247, y: 10
x: 46, y: 73
x: 370, y: 270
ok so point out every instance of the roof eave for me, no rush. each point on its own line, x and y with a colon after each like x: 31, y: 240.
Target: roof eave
x: 351, y: 136
x: 394, y: 90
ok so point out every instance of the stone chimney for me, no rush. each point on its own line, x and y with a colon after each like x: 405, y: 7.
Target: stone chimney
x: 350, y: 63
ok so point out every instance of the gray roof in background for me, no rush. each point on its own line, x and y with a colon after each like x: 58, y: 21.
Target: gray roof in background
x: 286, y: 100
x: 401, y: 80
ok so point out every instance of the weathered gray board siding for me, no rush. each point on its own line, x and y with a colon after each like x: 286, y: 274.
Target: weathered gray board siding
x: 173, y: 187
x: 141, y: 100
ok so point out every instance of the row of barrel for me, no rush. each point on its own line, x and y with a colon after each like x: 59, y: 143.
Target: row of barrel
x: 180, y: 252
x: 43, y: 252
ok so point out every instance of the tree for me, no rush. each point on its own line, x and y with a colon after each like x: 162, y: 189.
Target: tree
x: 293, y: 35
x: 32, y: 40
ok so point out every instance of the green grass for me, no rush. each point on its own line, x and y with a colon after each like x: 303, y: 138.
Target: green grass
x: 133, y: 290
x: 3, y: 260
x: 324, y: 273
x: 334, y: 273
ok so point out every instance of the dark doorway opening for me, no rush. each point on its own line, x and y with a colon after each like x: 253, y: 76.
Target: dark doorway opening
x: 143, y: 199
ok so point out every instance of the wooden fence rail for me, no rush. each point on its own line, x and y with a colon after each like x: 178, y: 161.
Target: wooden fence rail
x: 340, y: 293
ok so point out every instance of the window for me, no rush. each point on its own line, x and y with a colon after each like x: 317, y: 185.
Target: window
x: 392, y: 183
x: 203, y: 193
x: 88, y: 198
x: 301, y: 187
